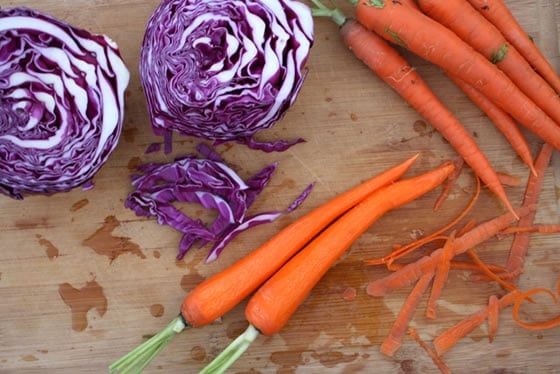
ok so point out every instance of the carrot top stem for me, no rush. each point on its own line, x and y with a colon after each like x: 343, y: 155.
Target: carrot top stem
x: 232, y: 352
x: 323, y: 11
x: 137, y: 359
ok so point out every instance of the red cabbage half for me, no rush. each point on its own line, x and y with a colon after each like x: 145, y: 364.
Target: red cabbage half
x: 207, y: 181
x: 61, y: 103
x: 224, y: 69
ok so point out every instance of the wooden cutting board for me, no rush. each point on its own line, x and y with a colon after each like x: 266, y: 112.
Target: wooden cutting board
x: 83, y: 280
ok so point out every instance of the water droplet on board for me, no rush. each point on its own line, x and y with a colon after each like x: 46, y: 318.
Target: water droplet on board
x: 82, y: 300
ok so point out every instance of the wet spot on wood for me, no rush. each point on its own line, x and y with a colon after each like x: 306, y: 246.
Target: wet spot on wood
x: 50, y: 249
x: 43, y: 351
x: 422, y: 128
x: 354, y: 117
x: 198, y: 353
x: 157, y: 254
x: 79, y: 205
x: 129, y: 134
x: 332, y: 358
x: 407, y: 366
x: 287, y: 359
x: 29, y: 358
x: 190, y: 281
x: 133, y: 163
x: 235, y: 329
x: 82, y: 300
x: 157, y: 310
x: 349, y: 294
x: 104, y: 243
x: 328, y: 99
x: 181, y: 264
x: 32, y: 224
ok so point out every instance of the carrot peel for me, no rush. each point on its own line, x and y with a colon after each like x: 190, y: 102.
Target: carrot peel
x: 137, y: 359
x: 541, y: 325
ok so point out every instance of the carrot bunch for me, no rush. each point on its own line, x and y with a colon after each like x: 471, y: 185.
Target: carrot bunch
x: 352, y: 213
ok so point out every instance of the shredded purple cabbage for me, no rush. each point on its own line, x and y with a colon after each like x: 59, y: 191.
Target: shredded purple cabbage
x: 61, y: 103
x: 207, y: 181
x: 224, y: 69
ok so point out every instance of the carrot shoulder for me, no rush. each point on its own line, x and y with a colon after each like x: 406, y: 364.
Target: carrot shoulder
x: 434, y: 42
x: 221, y: 292
x: 498, y: 13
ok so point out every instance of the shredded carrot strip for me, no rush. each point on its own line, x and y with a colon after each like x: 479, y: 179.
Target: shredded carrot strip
x: 393, y: 341
x: 433, y: 355
x: 489, y: 272
x: 509, y: 180
x: 402, y: 251
x: 440, y: 278
x: 450, y: 182
x: 541, y: 325
x: 541, y: 229
x: 493, y: 312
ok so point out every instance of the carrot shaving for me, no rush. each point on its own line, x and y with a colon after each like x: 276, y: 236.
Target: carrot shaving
x: 406, y: 249
x: 442, y: 272
x: 520, y: 243
x: 393, y: 341
x: 448, y: 185
x: 511, y: 180
x: 433, y: 355
x: 535, y: 326
x: 541, y: 229
x: 450, y: 337
x: 488, y: 272
x: 493, y: 312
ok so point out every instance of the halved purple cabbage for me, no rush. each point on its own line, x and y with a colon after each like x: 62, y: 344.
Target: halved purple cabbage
x: 207, y: 181
x: 61, y: 103
x: 224, y: 69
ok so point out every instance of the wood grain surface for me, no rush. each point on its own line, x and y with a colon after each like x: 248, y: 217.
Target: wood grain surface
x: 83, y: 280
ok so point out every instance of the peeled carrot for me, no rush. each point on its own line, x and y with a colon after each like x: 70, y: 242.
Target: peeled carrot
x: 450, y: 183
x: 411, y: 272
x: 218, y: 294
x: 502, y: 120
x: 271, y: 306
x: 394, y: 70
x: 434, y: 42
x: 498, y: 13
x: 393, y: 341
x: 460, y: 17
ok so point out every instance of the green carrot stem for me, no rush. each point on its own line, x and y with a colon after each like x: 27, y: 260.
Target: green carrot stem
x: 232, y: 352
x: 136, y: 360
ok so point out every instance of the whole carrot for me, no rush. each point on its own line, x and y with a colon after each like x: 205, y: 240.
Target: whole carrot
x: 497, y: 12
x: 434, y: 42
x: 390, y: 66
x: 460, y: 17
x: 220, y: 293
x: 270, y: 308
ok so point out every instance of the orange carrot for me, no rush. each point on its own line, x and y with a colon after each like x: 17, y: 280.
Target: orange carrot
x: 220, y: 293
x: 442, y: 272
x: 520, y: 244
x: 460, y: 17
x: 503, y: 121
x: 278, y: 298
x: 493, y: 314
x: 540, y: 325
x: 393, y: 341
x: 394, y: 70
x: 498, y: 13
x: 433, y: 355
x: 434, y: 42
x: 268, y: 310
x: 488, y: 272
x: 449, y: 338
x: 410, y: 273
x: 512, y: 180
